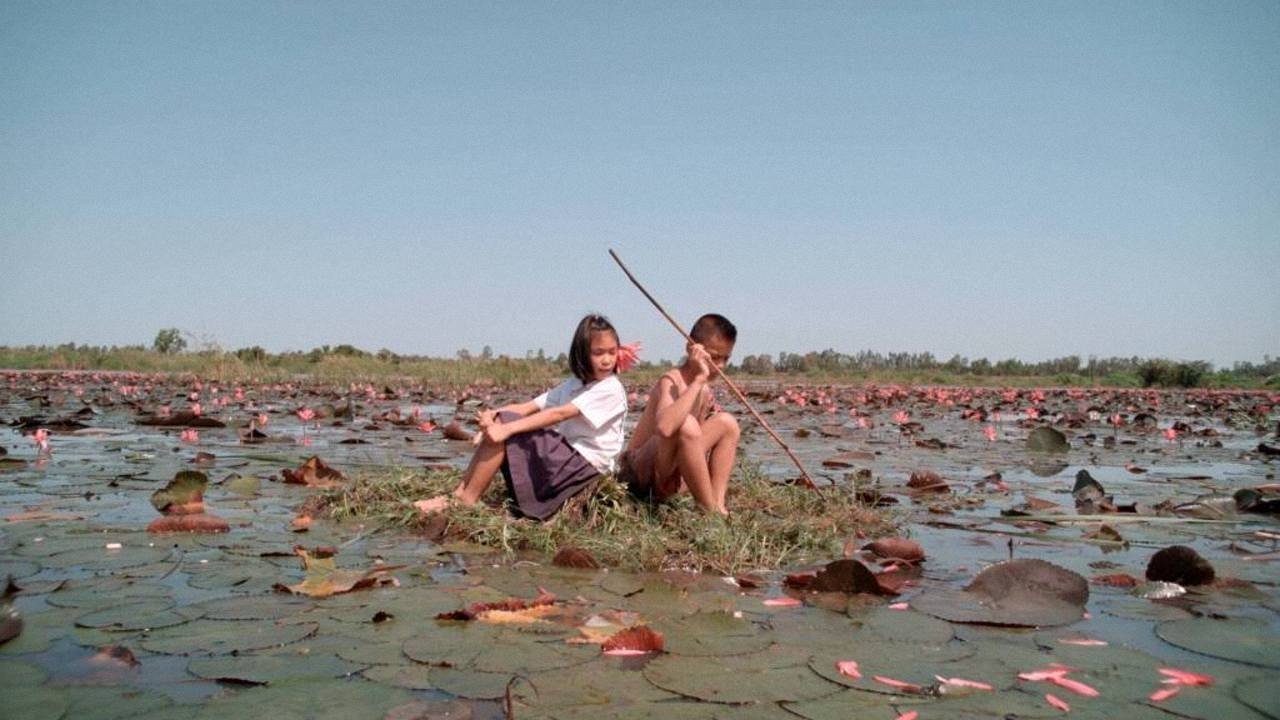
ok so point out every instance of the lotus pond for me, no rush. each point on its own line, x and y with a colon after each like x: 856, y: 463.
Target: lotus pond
x: 1014, y: 585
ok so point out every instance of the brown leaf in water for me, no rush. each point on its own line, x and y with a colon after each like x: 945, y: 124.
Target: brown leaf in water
x: 927, y: 481
x: 639, y: 639
x: 1180, y: 564
x: 455, y: 431
x: 848, y: 459
x: 847, y: 576
x: 197, y: 523
x: 896, y: 548
x: 474, y: 610
x: 110, y: 654
x: 573, y: 557
x: 313, y: 473
x: 1122, y: 580
x: 324, y: 578
x: 10, y: 623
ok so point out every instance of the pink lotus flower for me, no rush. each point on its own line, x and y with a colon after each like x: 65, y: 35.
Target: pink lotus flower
x: 1116, y: 420
x: 1033, y: 413
x: 628, y: 355
x: 426, y: 426
x: 262, y: 419
x: 901, y: 417
x: 1171, y: 435
x: 849, y: 668
x: 196, y: 409
x: 41, y: 439
x: 306, y: 414
x: 990, y: 432
x: 863, y: 423
x: 189, y: 436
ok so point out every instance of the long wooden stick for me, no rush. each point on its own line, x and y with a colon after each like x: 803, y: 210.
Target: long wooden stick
x: 807, y: 481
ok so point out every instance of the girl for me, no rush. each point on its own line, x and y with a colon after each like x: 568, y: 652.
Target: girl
x: 557, y: 444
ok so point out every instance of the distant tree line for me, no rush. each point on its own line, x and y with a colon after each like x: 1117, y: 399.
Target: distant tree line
x: 1148, y: 372
x: 1071, y: 369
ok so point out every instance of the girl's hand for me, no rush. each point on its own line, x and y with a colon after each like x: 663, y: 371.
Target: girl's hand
x: 497, y: 433
x: 486, y: 418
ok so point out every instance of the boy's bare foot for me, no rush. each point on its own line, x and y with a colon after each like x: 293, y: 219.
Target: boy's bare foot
x: 433, y: 505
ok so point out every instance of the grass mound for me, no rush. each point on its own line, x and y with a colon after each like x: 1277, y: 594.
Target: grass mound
x: 773, y: 525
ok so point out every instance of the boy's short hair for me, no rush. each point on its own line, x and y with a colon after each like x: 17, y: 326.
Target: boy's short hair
x: 580, y: 346
x: 713, y: 324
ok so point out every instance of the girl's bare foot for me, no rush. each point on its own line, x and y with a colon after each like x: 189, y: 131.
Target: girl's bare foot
x: 433, y: 505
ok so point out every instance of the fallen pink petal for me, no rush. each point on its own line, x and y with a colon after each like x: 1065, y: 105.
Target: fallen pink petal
x: 1185, y: 677
x: 1057, y: 702
x: 1165, y: 693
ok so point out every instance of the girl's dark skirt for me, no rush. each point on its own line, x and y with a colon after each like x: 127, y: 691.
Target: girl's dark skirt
x: 543, y: 471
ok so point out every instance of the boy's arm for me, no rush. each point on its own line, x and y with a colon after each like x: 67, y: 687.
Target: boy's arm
x: 672, y: 411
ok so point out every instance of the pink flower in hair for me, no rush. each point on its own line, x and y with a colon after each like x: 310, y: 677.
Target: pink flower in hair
x: 628, y: 355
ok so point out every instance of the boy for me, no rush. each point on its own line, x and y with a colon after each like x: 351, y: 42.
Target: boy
x: 683, y: 440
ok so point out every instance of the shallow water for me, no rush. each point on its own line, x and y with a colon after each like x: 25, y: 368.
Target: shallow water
x: 195, y: 608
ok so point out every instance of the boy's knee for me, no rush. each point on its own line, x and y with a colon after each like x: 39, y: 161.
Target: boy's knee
x: 690, y: 430
x: 732, y: 430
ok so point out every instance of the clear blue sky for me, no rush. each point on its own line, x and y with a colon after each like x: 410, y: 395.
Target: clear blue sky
x: 1029, y: 179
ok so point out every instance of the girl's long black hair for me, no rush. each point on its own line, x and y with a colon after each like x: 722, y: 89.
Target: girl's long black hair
x: 580, y: 347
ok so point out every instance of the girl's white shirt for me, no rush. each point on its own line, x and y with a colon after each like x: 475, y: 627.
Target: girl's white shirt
x: 596, y: 433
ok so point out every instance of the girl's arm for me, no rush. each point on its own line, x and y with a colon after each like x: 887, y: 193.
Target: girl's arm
x: 499, y: 431
x: 489, y: 417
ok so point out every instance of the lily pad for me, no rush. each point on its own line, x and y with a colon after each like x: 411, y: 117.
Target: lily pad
x: 111, y: 703
x: 1260, y: 694
x: 594, y: 685
x: 268, y: 607
x: 763, y: 677
x: 1240, y: 639
x: 98, y: 558
x: 471, y: 684
x: 327, y: 699
x: 411, y: 677
x: 712, y: 633
x: 219, y: 637
x: 1046, y: 439
x: 18, y: 569
x: 140, y: 615
x: 1019, y: 593
x: 184, y: 491
x: 267, y: 669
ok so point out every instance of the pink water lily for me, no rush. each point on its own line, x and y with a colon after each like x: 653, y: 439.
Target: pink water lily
x: 426, y: 426
x: 901, y: 417
x: 41, y: 440
x: 990, y: 432
x: 262, y: 420
x: 306, y: 414
x: 628, y: 355
x: 849, y: 668
x: 189, y: 436
x: 196, y: 409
